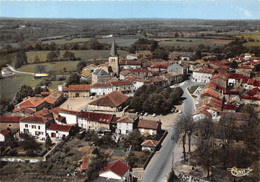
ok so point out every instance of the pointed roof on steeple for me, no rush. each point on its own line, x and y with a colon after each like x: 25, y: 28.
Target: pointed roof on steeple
x: 113, y: 52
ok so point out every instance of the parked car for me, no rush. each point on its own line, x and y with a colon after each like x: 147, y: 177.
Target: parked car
x: 154, y: 114
x: 180, y: 111
x: 146, y: 114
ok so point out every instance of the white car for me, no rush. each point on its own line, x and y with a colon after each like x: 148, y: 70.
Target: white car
x: 180, y: 112
x: 146, y: 114
x: 154, y: 114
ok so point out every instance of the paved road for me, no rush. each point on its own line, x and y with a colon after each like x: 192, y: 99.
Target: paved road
x: 18, y: 72
x: 162, y: 163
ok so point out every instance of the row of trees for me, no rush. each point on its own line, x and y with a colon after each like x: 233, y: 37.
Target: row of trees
x: 224, y: 144
x: 156, y: 100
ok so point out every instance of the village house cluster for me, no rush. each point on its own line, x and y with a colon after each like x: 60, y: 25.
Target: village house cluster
x: 227, y: 89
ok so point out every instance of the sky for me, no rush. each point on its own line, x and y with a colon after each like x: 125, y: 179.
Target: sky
x: 195, y: 9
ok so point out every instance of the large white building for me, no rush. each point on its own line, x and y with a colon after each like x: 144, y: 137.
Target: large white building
x: 71, y: 116
x: 127, y: 124
x: 202, y: 75
x: 57, y: 132
x: 35, y: 126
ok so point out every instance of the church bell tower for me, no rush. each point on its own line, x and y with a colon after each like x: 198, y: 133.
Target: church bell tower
x: 114, y: 59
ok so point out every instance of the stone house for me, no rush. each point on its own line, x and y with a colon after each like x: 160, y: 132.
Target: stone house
x: 111, y: 102
x: 100, y: 76
x: 127, y: 123
x: 149, y: 127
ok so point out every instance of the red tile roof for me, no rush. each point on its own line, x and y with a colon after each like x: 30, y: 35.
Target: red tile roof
x: 56, y: 110
x: 249, y: 97
x: 58, y: 127
x: 69, y: 112
x: 220, y: 64
x: 118, y: 167
x: 211, y: 102
x: 251, y: 81
x: 150, y: 143
x: 98, y: 117
x: 214, y: 85
x: 127, y: 118
x: 211, y: 93
x: 84, y: 164
x: 101, y: 85
x: 160, y: 66
x: 253, y: 92
x: 158, y: 79
x: 42, y: 112
x: 137, y: 70
x: 121, y: 83
x: 229, y: 107
x: 35, y: 119
x: 78, y: 88
x: 130, y: 63
x: 246, y: 66
x: 14, y: 119
x: 204, y: 110
x: 222, y: 75
x: 5, y: 132
x: 32, y: 102
x: 23, y: 109
x: 230, y: 92
x: 148, y: 124
x: 113, y: 99
x: 206, y: 70
x: 257, y: 83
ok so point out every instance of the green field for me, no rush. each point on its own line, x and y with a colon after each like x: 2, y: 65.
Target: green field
x: 124, y: 42
x: 10, y: 85
x: 64, y: 41
x: 83, y: 54
x: 193, y: 42
x: 249, y: 44
x: 56, y: 67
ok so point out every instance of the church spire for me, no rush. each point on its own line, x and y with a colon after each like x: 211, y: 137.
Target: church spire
x: 113, y: 52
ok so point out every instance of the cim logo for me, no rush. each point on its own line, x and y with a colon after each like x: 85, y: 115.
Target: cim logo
x: 239, y: 172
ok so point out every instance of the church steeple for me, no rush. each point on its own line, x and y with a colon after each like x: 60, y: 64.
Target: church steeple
x: 113, y: 52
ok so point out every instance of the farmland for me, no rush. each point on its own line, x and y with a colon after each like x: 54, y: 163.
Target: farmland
x: 55, y: 67
x: 192, y: 42
x: 123, y: 42
x: 10, y: 85
x: 82, y: 54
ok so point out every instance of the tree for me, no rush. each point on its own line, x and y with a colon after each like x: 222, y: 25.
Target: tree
x: 68, y: 55
x: 233, y: 65
x: 74, y: 78
x: 197, y: 55
x: 25, y: 91
x: 135, y: 139
x: 39, y: 68
x: 185, y: 126
x: 131, y: 159
x: 28, y: 142
x: 80, y: 66
x: 97, y: 164
x: 51, y: 56
x: 95, y: 45
x: 161, y: 53
x: 36, y: 59
x: 48, y: 141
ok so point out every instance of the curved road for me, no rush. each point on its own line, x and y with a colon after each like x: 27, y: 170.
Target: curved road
x: 162, y: 163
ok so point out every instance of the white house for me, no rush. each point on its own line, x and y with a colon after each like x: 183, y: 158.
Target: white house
x: 132, y: 56
x: 176, y: 68
x: 57, y: 132
x: 117, y: 170
x: 202, y: 75
x: 127, y: 123
x: 71, y: 116
x: 100, y: 89
x: 35, y: 126
x: 149, y: 145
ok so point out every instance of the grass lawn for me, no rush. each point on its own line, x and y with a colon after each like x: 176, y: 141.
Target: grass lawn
x: 249, y: 44
x: 56, y: 67
x: 193, y: 42
x: 83, y: 54
x: 192, y: 89
x: 64, y: 41
x: 10, y: 85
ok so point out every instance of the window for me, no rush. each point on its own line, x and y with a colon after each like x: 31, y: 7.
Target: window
x: 10, y: 125
x: 26, y: 125
x: 39, y: 127
x: 53, y: 134
x: 33, y: 126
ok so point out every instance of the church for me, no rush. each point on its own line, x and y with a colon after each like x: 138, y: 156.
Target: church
x: 113, y: 60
